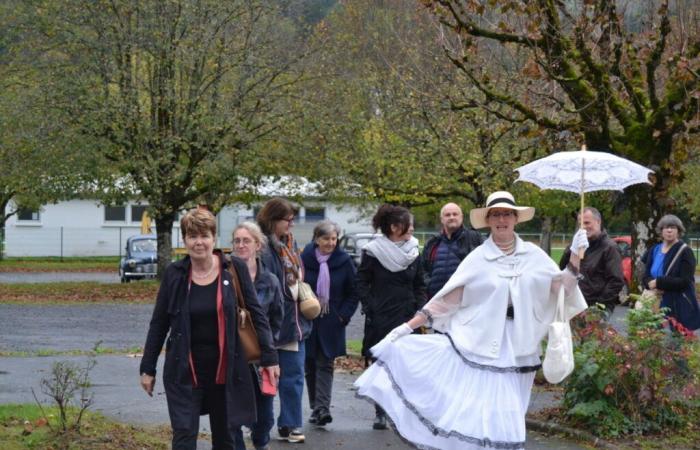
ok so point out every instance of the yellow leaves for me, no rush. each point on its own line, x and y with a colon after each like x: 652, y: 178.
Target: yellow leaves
x: 532, y: 70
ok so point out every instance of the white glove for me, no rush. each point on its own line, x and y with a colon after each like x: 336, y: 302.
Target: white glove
x: 399, y: 332
x: 580, y: 241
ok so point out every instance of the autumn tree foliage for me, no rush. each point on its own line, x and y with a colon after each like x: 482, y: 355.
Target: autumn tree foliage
x: 622, y: 75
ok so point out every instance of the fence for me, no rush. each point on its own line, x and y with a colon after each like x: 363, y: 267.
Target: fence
x: 34, y: 241
x: 110, y: 241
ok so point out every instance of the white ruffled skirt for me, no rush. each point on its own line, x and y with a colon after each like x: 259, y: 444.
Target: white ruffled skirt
x: 441, y: 397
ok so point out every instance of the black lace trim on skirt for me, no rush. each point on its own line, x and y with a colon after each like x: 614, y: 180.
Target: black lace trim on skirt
x: 437, y: 431
x: 475, y: 365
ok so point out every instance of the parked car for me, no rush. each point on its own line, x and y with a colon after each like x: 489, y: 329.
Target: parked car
x: 624, y: 244
x: 353, y: 243
x: 141, y: 258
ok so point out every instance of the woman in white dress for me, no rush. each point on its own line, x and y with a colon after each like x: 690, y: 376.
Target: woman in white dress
x: 469, y: 387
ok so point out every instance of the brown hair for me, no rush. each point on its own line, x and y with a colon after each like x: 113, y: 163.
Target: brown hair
x: 273, y: 211
x: 389, y: 215
x: 198, y: 221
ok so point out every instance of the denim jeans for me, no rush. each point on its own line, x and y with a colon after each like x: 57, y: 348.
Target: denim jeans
x: 291, y: 387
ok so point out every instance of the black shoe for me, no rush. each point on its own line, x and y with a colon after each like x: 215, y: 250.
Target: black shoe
x: 379, y: 422
x: 314, y: 416
x: 324, y: 417
x: 290, y: 435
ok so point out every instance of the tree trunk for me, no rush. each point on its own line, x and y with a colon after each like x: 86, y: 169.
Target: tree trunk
x: 164, y: 231
x: 546, y: 235
x: 647, y: 205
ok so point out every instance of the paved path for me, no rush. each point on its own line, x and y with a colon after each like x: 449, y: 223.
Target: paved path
x: 118, y: 395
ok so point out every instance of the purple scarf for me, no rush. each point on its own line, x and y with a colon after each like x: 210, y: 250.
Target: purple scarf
x: 323, y: 284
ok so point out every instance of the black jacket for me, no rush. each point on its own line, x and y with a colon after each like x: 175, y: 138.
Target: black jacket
x: 171, y: 318
x: 295, y: 327
x: 678, y: 285
x: 465, y: 241
x: 388, y: 298
x: 602, y: 271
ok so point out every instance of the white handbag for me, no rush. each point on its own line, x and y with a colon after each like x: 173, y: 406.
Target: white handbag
x: 559, y: 357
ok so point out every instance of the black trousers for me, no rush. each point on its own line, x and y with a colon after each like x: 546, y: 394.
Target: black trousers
x: 213, y: 398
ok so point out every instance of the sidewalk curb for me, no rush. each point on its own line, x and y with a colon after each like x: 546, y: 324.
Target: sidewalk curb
x: 553, y: 427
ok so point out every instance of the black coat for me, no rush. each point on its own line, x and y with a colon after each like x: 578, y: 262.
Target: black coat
x: 678, y: 285
x: 171, y: 318
x: 602, y: 271
x: 388, y: 298
x: 329, y: 329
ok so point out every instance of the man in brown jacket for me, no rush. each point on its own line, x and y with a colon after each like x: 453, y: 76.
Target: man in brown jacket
x: 601, y: 268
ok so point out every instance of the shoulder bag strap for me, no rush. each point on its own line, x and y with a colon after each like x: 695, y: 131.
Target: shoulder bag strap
x: 237, y: 286
x: 675, y: 257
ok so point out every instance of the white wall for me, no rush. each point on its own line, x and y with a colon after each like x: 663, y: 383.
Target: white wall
x: 78, y: 228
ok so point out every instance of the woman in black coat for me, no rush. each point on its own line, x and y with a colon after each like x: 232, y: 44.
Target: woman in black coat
x: 334, y: 286
x: 206, y: 370
x: 390, y: 282
x: 670, y: 269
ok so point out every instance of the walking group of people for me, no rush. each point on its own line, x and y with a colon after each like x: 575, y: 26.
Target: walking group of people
x: 467, y: 385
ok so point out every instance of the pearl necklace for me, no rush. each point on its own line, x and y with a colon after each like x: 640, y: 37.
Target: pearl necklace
x: 206, y: 275
x: 508, y: 248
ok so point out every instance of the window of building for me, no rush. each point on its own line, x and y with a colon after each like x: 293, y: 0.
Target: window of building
x: 315, y: 214
x: 137, y: 212
x: 115, y: 213
x: 29, y: 215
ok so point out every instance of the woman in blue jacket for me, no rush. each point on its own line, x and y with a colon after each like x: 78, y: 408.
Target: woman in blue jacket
x: 670, y: 270
x: 331, y: 274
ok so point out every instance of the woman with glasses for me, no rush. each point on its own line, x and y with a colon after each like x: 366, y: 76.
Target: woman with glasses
x: 331, y: 274
x: 390, y: 281
x: 469, y: 386
x: 670, y: 270
x: 248, y: 242
x: 281, y: 257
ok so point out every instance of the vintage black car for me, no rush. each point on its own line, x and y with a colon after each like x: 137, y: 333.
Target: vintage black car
x: 141, y: 258
x: 353, y: 243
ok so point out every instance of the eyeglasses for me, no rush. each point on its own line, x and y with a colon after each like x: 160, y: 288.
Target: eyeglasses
x: 290, y: 220
x: 244, y: 241
x: 498, y: 215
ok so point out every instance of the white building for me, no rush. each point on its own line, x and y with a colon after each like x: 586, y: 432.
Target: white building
x: 88, y: 228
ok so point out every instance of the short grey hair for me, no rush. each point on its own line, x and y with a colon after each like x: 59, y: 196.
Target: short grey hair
x: 595, y: 213
x: 669, y: 220
x: 255, y: 230
x: 326, y: 227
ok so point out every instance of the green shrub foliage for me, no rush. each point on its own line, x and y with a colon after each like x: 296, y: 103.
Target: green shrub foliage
x: 645, y: 382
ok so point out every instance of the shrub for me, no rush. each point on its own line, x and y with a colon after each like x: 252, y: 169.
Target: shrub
x: 644, y: 382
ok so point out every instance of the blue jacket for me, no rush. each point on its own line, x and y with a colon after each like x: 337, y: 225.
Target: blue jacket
x: 442, y: 255
x: 295, y: 327
x: 329, y: 330
x: 270, y: 298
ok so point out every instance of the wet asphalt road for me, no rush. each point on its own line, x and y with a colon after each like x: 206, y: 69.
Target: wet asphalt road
x: 26, y: 328
x: 54, y: 277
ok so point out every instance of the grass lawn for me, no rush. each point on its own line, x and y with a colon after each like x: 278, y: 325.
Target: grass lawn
x: 55, y: 264
x: 79, y: 292
x: 25, y: 427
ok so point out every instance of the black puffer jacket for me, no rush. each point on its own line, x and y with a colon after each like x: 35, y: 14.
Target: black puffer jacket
x: 171, y: 318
